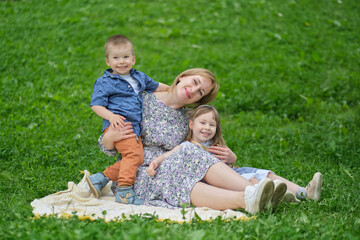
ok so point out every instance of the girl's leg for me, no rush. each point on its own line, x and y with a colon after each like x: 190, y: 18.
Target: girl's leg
x: 253, y: 199
x: 205, y: 195
x: 222, y: 176
x: 279, y: 190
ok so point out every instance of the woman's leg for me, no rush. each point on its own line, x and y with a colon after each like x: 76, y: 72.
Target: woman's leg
x: 254, y: 180
x: 205, y: 195
x: 292, y: 187
x: 222, y: 176
x: 312, y: 190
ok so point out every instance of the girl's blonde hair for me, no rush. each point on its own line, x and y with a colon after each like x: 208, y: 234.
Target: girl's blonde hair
x: 200, y: 110
x: 205, y: 74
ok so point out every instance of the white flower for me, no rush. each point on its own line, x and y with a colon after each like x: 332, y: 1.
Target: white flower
x: 276, y: 35
x: 337, y: 23
x: 32, y: 125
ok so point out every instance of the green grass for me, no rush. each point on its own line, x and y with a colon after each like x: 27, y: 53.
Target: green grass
x: 289, y: 101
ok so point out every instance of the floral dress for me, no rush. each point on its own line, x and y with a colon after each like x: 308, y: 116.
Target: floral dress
x: 163, y: 129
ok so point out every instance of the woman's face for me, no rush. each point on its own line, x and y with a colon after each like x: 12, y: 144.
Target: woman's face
x: 192, y: 88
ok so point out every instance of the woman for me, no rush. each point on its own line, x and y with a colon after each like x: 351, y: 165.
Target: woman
x: 164, y: 126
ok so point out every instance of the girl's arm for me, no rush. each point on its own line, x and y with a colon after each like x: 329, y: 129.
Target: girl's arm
x: 223, y: 153
x: 151, y: 170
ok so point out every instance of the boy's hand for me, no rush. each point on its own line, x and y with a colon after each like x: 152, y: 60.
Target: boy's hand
x: 117, y: 120
x: 162, y: 88
x: 151, y: 170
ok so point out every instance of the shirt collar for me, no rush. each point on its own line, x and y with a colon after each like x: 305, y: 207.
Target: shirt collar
x: 109, y: 72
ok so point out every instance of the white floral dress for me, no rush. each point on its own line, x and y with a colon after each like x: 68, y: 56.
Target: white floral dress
x: 164, y: 128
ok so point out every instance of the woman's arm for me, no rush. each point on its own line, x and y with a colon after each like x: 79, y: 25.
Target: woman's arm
x: 151, y: 170
x: 223, y: 153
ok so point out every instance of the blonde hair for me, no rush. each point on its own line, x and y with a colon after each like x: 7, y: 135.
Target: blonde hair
x: 205, y: 74
x: 117, y: 40
x: 200, y: 110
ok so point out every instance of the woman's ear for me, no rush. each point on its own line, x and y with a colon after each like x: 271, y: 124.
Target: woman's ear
x: 191, y: 124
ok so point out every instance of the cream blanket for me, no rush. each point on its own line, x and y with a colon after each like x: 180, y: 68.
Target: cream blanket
x: 79, y: 200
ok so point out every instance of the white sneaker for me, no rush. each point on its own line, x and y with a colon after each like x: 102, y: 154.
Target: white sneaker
x: 313, y: 189
x: 258, y: 195
x: 290, y: 197
x: 279, y: 192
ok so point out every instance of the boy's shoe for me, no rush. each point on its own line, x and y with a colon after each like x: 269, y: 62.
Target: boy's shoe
x: 313, y: 189
x: 290, y: 197
x: 97, y: 182
x: 126, y: 195
x: 258, y: 195
x: 279, y: 192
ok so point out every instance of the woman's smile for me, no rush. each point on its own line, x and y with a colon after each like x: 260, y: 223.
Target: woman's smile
x: 187, y: 93
x: 193, y: 88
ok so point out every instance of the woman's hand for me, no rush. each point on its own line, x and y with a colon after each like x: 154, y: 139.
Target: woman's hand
x: 223, y: 153
x: 115, y: 134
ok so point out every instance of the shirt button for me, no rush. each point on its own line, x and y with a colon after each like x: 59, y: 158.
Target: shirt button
x: 128, y: 86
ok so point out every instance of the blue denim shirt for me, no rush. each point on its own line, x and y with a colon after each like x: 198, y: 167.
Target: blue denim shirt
x: 118, y: 96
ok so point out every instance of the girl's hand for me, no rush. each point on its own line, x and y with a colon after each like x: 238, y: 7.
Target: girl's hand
x: 151, y: 170
x: 223, y: 153
x: 117, y: 120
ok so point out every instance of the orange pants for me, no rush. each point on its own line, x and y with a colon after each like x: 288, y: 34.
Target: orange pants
x: 124, y: 171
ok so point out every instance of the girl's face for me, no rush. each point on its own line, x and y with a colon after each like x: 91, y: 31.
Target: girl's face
x: 203, y: 127
x: 190, y: 89
x: 121, y: 59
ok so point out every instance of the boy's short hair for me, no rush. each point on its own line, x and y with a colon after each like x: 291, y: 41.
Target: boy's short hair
x: 117, y: 40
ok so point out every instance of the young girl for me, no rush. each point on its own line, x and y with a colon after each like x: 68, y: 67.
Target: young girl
x: 205, y: 131
x: 211, y: 136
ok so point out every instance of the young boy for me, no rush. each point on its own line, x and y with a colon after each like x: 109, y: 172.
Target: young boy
x: 117, y: 98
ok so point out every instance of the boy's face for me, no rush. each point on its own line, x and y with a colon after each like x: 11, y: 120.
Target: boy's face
x: 121, y: 59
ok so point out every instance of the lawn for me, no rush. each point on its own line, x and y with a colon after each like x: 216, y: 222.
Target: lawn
x: 289, y: 101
